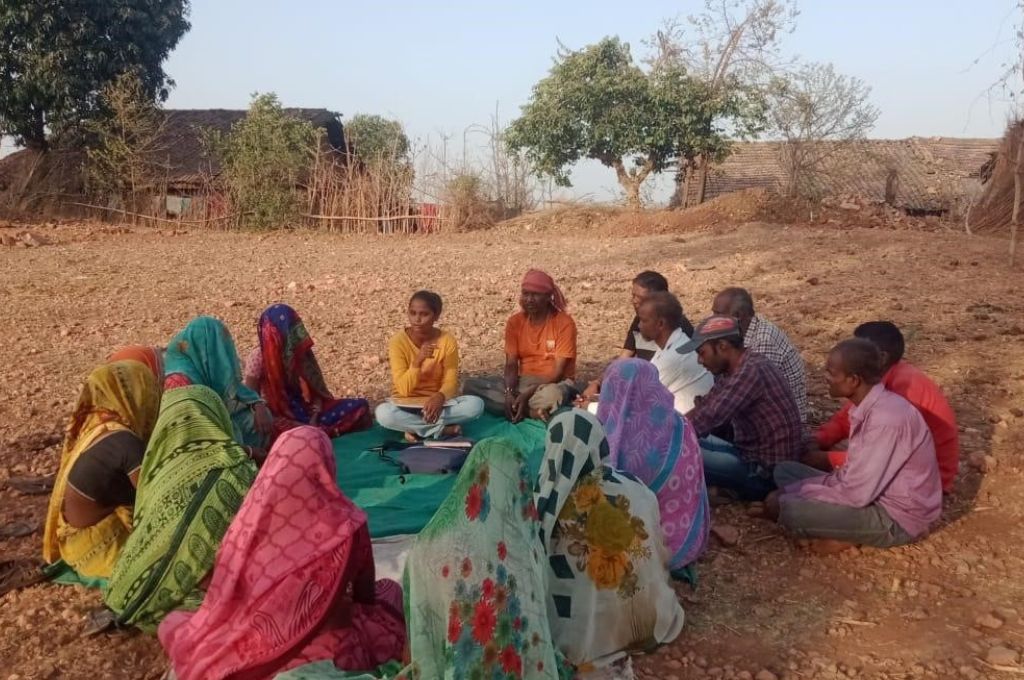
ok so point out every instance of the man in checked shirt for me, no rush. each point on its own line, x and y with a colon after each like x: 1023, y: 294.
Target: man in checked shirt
x: 752, y: 396
x: 767, y: 339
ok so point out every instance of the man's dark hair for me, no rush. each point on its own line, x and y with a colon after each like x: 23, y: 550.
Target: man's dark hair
x: 652, y: 281
x: 734, y: 340
x: 430, y: 298
x: 666, y: 306
x: 740, y: 302
x: 862, y: 358
x: 885, y: 335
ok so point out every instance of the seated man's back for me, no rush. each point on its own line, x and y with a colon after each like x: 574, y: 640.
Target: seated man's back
x: 681, y: 373
x: 770, y: 341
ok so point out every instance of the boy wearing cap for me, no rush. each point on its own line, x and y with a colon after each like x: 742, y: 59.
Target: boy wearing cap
x: 751, y: 394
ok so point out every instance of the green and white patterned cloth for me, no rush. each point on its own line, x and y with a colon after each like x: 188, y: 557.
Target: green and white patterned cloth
x: 193, y: 479
x: 474, y: 581
x: 608, y: 582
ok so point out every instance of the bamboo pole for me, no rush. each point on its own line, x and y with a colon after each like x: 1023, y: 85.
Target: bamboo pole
x: 148, y: 217
x: 1018, y: 170
x: 381, y: 218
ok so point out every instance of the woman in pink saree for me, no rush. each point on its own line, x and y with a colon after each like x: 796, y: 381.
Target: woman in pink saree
x: 293, y: 582
x: 650, y: 440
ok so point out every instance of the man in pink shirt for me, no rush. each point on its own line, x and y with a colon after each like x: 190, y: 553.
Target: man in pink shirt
x: 888, y: 493
x: 910, y: 383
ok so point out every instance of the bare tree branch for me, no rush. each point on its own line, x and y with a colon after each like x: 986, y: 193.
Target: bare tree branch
x: 818, y: 113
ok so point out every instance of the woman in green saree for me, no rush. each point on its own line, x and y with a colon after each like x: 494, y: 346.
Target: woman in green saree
x: 194, y: 477
x: 474, y: 579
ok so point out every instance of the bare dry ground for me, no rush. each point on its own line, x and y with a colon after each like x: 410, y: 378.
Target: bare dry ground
x: 764, y: 608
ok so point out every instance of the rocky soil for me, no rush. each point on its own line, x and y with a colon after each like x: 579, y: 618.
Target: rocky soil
x: 948, y: 607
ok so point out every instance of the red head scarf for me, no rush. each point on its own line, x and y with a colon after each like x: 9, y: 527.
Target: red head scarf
x: 537, y: 281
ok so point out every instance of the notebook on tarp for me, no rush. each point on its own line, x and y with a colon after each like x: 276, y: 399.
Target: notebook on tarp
x: 415, y: 403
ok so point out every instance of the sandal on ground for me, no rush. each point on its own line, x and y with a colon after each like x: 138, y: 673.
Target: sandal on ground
x: 20, y: 573
x: 18, y: 529
x: 99, y: 620
x: 32, y: 486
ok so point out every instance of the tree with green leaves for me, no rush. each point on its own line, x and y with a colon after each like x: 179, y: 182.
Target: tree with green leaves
x: 597, y: 103
x: 375, y: 138
x: 262, y: 161
x: 56, y: 56
x: 706, y: 112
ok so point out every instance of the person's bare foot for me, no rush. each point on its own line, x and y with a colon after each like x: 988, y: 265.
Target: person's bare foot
x: 825, y: 546
x: 451, y: 431
x: 411, y: 438
x: 719, y: 496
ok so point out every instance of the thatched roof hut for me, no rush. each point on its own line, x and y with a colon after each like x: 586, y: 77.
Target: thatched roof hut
x: 994, y: 209
x: 187, y: 162
x: 918, y: 174
x: 28, y: 178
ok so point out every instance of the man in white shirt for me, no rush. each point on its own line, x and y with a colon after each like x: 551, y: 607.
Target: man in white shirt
x: 660, y: 318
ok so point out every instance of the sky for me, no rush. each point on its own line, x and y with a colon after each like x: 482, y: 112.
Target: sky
x: 440, y: 69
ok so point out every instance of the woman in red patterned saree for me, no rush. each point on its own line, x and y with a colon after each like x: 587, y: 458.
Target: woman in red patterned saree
x: 285, y: 372
x: 293, y: 582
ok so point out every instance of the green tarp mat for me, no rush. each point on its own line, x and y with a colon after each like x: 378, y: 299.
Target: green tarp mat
x: 394, y: 503
x: 61, y: 572
x: 403, y: 504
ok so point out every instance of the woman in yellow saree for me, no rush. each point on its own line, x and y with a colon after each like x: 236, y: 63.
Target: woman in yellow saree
x: 90, y: 511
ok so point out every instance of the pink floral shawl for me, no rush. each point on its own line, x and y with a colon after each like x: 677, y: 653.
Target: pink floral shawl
x: 651, y: 441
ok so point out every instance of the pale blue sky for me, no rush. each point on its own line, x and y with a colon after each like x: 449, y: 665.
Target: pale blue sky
x: 441, y: 68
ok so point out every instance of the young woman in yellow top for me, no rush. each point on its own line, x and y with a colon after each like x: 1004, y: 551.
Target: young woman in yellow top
x: 425, y: 370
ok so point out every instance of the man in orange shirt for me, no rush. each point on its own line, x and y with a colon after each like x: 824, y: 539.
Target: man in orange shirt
x: 540, y: 355
x: 910, y: 383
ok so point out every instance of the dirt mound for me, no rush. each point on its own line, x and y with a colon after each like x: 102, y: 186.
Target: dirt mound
x: 752, y: 205
x: 995, y: 208
x: 729, y: 210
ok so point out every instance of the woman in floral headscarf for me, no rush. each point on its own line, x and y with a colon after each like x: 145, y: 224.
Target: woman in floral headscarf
x: 608, y: 581
x: 475, y: 578
x: 649, y: 439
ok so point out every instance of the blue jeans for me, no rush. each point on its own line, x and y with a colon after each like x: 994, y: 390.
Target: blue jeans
x: 464, y: 409
x: 724, y: 468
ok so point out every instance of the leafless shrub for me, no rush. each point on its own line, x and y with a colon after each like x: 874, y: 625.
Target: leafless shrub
x: 817, y: 112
